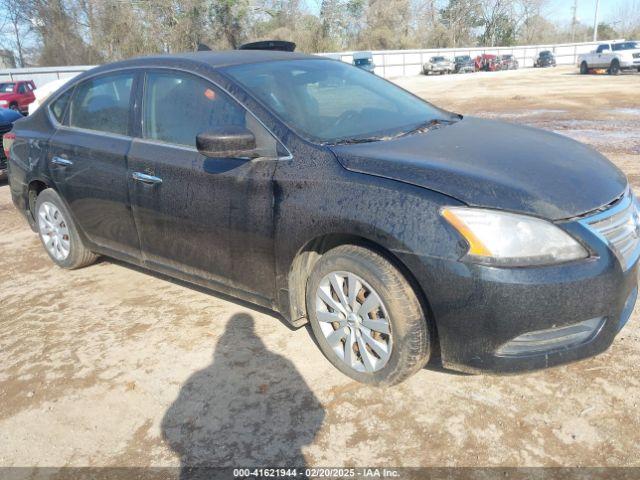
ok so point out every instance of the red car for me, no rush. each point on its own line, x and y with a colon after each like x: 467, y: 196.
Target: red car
x: 17, y: 95
x: 487, y: 63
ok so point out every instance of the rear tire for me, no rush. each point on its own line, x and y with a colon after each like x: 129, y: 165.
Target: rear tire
x: 343, y: 283
x: 584, y: 68
x: 14, y: 106
x: 59, y: 234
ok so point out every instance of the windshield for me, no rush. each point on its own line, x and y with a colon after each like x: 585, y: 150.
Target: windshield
x: 328, y: 101
x: 545, y: 54
x: 437, y: 59
x: 362, y: 61
x: 463, y: 59
x: 626, y: 46
x: 7, y: 87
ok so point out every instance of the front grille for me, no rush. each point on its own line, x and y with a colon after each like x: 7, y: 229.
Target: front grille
x: 619, y: 227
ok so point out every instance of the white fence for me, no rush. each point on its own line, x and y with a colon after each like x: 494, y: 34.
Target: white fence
x: 396, y: 63
x: 41, y: 75
x: 389, y: 63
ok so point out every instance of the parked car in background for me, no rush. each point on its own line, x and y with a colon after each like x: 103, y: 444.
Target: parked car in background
x: 364, y: 61
x: 17, y: 95
x: 388, y: 224
x: 509, y: 62
x: 615, y: 57
x: 464, y: 64
x: 7, y: 119
x: 440, y: 65
x: 545, y: 59
x: 487, y: 63
x: 42, y: 93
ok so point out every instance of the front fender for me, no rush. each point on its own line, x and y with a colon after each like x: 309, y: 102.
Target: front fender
x: 339, y: 204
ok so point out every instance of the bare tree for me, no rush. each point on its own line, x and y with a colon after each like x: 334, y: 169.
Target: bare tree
x: 627, y: 19
x: 16, y: 26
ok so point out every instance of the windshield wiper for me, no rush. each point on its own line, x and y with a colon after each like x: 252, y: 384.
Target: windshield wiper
x: 349, y: 141
x: 425, y: 127
x: 422, y: 127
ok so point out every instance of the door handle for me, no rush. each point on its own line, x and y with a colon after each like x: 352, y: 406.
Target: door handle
x: 145, y: 178
x: 61, y: 162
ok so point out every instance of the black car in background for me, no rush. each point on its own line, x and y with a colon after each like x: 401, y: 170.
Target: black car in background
x: 464, y: 64
x: 393, y: 227
x: 7, y: 117
x: 545, y: 59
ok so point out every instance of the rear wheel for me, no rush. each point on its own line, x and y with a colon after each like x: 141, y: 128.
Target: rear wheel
x: 59, y: 234
x: 584, y: 68
x: 14, y: 106
x: 366, y: 317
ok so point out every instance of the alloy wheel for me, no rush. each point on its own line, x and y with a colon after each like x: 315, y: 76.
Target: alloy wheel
x: 354, y: 321
x: 54, y: 231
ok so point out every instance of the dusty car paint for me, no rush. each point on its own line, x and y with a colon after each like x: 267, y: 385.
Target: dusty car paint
x: 254, y: 228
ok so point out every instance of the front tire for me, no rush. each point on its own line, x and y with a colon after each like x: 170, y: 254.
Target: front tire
x: 59, y: 234
x: 614, y: 68
x: 358, y: 302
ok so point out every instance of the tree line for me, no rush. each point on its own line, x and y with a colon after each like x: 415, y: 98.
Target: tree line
x: 73, y: 32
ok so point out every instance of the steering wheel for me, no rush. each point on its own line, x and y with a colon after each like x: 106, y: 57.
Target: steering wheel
x: 346, y: 117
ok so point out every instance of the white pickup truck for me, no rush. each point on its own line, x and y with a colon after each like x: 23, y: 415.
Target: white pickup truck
x: 614, y: 56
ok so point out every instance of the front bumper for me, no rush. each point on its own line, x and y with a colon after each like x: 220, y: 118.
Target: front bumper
x: 479, y: 310
x: 630, y: 63
x: 438, y: 68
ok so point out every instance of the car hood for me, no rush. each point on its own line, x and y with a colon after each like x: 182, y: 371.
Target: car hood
x: 8, y: 116
x: 494, y: 164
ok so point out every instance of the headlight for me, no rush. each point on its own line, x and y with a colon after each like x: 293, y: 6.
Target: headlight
x: 3, y: 102
x: 508, y: 239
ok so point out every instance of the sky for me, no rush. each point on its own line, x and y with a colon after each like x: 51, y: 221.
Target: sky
x: 562, y: 10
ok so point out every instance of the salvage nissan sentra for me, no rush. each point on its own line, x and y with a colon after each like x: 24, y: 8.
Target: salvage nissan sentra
x: 398, y: 230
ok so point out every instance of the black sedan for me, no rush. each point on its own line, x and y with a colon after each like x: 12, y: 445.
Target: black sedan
x: 313, y: 188
x: 545, y: 59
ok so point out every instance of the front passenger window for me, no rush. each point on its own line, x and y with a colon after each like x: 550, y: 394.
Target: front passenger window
x: 102, y: 104
x: 178, y: 106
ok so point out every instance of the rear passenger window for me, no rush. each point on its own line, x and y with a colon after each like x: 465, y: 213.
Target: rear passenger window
x: 22, y: 88
x: 177, y: 107
x: 102, y: 104
x: 59, y: 106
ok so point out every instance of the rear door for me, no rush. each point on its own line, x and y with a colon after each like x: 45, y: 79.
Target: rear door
x: 88, y: 159
x: 208, y: 218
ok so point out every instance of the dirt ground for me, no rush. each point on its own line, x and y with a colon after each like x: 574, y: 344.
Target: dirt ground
x: 114, y: 366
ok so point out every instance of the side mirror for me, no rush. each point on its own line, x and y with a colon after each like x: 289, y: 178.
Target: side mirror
x: 227, y: 142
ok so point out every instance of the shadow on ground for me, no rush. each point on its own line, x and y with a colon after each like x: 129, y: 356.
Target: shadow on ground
x: 250, y: 407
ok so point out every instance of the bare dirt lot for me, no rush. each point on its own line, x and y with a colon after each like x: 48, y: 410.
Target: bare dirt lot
x: 114, y: 366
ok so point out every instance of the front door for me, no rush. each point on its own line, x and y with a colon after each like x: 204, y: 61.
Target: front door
x: 207, y: 218
x: 88, y: 160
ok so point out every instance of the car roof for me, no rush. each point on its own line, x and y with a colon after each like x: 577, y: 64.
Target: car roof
x: 213, y: 59
x: 205, y: 60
